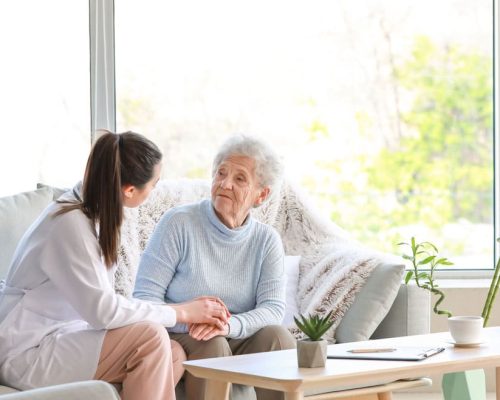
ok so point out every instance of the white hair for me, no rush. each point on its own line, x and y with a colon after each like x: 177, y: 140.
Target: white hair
x: 268, y: 167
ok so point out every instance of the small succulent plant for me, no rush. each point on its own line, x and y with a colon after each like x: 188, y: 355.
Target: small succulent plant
x: 314, y: 326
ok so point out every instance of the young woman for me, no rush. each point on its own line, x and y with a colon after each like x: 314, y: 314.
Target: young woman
x: 60, y: 319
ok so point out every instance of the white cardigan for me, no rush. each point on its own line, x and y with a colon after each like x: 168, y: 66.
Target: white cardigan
x: 58, y: 301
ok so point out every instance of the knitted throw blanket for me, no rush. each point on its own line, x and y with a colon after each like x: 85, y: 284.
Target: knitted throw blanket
x: 333, y: 268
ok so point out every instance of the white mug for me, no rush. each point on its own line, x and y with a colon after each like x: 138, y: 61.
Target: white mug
x: 466, y: 329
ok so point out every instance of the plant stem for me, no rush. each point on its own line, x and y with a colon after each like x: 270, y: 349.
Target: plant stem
x: 490, y: 299
x: 439, y: 293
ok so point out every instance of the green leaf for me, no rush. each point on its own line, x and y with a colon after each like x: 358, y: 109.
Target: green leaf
x: 426, y: 254
x: 408, y: 276
x: 426, y: 260
x: 314, y: 326
x: 431, y: 245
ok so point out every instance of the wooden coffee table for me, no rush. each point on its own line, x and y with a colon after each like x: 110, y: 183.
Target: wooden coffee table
x: 278, y: 370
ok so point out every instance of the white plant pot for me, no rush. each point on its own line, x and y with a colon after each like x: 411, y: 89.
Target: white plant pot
x: 311, y: 354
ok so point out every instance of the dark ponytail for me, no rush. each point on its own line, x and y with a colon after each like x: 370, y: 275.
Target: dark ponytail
x: 116, y: 159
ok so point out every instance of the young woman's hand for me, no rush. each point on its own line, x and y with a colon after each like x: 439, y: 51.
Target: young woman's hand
x: 207, y: 309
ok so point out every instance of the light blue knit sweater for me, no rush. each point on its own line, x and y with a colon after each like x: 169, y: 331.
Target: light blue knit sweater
x: 192, y: 253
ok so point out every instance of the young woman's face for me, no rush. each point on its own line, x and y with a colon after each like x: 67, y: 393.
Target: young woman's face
x: 134, y: 197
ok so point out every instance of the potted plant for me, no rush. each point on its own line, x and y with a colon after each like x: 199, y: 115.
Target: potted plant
x: 426, y: 255
x: 311, y: 352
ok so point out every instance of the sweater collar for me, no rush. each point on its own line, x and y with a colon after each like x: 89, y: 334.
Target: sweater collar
x: 223, y: 229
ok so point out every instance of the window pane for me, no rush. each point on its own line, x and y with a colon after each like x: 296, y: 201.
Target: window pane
x: 44, y: 80
x: 381, y: 109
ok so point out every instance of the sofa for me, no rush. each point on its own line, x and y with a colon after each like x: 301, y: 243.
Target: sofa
x: 84, y: 390
x: 374, y: 302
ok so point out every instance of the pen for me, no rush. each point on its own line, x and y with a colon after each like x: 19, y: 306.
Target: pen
x: 388, y: 350
x: 431, y: 352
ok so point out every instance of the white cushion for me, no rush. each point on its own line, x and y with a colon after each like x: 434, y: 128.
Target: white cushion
x: 17, y: 213
x: 292, y: 284
x: 75, y: 391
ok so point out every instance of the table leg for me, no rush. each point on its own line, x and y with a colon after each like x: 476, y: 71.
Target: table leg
x: 294, y: 395
x: 216, y: 390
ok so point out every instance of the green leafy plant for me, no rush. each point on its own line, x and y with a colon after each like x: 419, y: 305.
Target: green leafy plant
x: 492, y: 293
x: 314, y: 326
x: 425, y: 255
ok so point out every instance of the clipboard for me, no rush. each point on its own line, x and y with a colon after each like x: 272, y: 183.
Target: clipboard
x: 401, y: 353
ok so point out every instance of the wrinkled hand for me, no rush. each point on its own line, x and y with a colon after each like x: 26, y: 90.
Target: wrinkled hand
x: 206, y: 332
x: 206, y: 309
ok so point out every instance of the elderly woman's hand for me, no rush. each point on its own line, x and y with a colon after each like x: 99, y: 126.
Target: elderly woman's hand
x: 206, y: 332
x: 207, y: 309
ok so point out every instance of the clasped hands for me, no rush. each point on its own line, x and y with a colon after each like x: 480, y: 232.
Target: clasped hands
x: 218, y: 327
x: 205, y: 316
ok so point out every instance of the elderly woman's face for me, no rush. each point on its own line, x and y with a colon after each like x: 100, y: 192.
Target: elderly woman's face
x: 236, y: 189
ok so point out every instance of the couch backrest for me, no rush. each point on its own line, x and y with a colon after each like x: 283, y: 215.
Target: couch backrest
x: 325, y: 251
x: 17, y: 213
x: 289, y: 213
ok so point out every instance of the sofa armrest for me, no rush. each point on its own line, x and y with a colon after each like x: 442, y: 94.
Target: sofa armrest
x: 84, y: 390
x: 410, y: 314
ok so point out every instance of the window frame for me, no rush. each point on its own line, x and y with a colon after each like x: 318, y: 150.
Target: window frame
x: 102, y: 65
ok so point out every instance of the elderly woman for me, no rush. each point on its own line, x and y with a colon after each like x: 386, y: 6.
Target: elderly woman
x: 216, y: 248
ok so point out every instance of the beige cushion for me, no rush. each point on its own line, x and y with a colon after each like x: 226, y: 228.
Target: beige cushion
x: 372, y: 303
x: 17, y: 213
x: 409, y: 315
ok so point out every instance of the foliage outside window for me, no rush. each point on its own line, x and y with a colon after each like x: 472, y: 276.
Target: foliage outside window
x: 383, y: 112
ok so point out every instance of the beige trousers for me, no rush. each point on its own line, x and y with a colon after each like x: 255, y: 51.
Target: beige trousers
x: 270, y: 338
x: 143, y: 360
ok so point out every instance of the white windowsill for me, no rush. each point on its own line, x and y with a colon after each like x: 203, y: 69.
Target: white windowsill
x: 464, y: 275
x: 463, y: 283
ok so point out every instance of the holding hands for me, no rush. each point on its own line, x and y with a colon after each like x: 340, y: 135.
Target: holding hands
x: 206, y: 310
x: 206, y: 332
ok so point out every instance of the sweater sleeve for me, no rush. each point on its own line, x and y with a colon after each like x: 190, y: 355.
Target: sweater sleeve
x: 159, y: 261
x: 71, y: 259
x: 270, y: 296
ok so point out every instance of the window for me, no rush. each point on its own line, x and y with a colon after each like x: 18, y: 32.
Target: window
x: 383, y: 110
x: 44, y: 76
